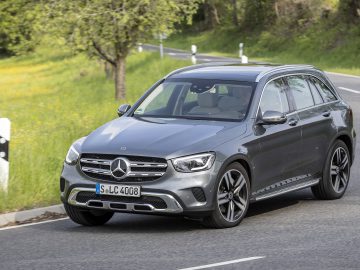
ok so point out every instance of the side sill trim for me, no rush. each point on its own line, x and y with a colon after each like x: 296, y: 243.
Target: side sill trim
x: 288, y: 189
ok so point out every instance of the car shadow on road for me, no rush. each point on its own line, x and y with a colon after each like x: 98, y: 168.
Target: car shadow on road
x: 278, y: 203
x: 134, y: 223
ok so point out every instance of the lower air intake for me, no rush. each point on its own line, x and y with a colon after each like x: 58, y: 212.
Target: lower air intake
x: 85, y: 196
x: 199, y: 194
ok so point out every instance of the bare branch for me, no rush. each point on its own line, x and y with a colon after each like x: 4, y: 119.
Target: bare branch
x: 103, y: 54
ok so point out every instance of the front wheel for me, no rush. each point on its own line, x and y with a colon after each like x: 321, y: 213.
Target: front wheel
x: 336, y: 173
x: 87, y: 217
x: 232, y: 200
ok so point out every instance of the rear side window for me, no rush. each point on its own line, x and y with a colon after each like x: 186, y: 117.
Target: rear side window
x: 316, y: 95
x: 325, y: 92
x: 274, y: 97
x: 300, y: 91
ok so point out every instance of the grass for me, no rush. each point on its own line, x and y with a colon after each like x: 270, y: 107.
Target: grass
x: 331, y: 47
x: 52, y: 98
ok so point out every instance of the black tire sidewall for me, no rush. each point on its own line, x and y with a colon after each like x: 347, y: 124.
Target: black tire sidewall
x: 326, y: 179
x: 86, y: 217
x: 217, y: 217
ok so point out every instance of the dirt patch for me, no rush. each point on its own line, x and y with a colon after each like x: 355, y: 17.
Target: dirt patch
x: 43, y: 217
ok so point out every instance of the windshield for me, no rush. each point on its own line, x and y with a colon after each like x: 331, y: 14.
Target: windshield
x: 198, y: 99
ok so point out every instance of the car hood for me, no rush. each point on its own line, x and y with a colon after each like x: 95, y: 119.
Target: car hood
x: 162, y: 137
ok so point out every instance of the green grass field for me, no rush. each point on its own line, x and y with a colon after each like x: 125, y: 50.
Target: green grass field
x: 53, y: 98
x: 331, y: 47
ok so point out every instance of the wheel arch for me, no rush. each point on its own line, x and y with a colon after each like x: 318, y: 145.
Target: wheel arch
x: 347, y: 140
x: 243, y: 160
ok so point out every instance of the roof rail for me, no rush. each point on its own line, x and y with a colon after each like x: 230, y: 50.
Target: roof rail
x: 193, y: 67
x: 279, y: 68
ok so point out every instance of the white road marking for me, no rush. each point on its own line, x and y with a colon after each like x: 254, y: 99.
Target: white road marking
x: 171, y: 53
x: 342, y: 74
x: 223, y: 263
x: 349, y: 90
x: 31, y: 224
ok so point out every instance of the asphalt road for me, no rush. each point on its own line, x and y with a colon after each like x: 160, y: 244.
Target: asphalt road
x: 293, y: 231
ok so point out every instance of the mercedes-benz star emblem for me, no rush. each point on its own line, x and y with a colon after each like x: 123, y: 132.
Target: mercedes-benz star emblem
x: 119, y: 168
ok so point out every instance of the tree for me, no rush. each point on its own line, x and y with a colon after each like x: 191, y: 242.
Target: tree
x: 350, y: 9
x: 111, y: 28
x: 18, y: 23
x: 259, y: 13
x: 211, y: 14
x: 235, y: 13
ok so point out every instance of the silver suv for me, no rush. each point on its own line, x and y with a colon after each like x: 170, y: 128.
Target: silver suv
x: 207, y: 140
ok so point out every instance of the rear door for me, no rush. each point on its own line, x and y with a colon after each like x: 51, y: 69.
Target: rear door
x: 277, y: 159
x: 315, y: 120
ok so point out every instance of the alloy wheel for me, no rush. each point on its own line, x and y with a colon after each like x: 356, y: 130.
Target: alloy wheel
x: 232, y: 195
x: 339, y: 169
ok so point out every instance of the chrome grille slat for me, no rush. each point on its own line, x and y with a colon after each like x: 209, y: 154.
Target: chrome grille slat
x: 148, y: 165
x: 145, y: 174
x: 96, y: 161
x: 140, y: 168
x: 96, y: 170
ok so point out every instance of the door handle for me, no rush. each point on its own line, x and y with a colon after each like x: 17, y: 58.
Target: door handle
x: 326, y: 114
x: 293, y: 122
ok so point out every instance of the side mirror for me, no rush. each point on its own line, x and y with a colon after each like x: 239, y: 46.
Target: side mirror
x: 272, y: 118
x: 124, y: 108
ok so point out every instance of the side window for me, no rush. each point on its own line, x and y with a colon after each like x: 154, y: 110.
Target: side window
x: 157, y: 100
x: 190, y: 97
x: 324, y: 90
x: 223, y: 90
x: 274, y: 97
x: 316, y: 95
x: 300, y: 91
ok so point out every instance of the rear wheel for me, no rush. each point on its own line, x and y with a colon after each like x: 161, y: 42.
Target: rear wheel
x: 336, y: 173
x: 232, y: 200
x: 87, y: 217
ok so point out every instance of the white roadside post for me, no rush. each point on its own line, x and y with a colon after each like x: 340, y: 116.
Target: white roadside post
x: 193, y: 54
x: 162, y: 36
x: 243, y: 58
x: 140, y: 48
x: 241, y: 48
x: 4, y: 153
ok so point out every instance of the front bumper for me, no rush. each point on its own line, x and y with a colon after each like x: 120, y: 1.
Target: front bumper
x: 172, y: 205
x: 174, y: 188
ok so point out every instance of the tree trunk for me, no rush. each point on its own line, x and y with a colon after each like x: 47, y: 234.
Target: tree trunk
x: 350, y: 9
x: 109, y: 70
x: 120, y: 91
x: 211, y: 15
x: 235, y: 11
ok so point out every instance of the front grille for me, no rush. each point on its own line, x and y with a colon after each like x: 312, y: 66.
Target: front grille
x: 199, y: 194
x: 141, y: 169
x: 85, y: 196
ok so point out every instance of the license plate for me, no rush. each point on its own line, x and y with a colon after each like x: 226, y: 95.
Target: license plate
x: 118, y: 190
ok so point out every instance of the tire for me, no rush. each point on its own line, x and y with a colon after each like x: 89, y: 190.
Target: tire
x: 87, y: 217
x: 226, y: 196
x: 336, y: 173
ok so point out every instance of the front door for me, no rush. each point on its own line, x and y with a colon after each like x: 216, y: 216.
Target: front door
x: 276, y: 161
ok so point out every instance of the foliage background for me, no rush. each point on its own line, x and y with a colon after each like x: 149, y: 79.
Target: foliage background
x: 54, y: 88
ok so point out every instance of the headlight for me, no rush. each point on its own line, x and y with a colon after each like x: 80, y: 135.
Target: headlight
x: 72, y: 156
x: 194, y: 163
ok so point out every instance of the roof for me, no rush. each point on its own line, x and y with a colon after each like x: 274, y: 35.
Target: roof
x: 231, y: 71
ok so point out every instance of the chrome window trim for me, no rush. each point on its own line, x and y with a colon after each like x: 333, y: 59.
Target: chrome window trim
x: 296, y: 111
x: 312, y: 107
x: 284, y: 67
